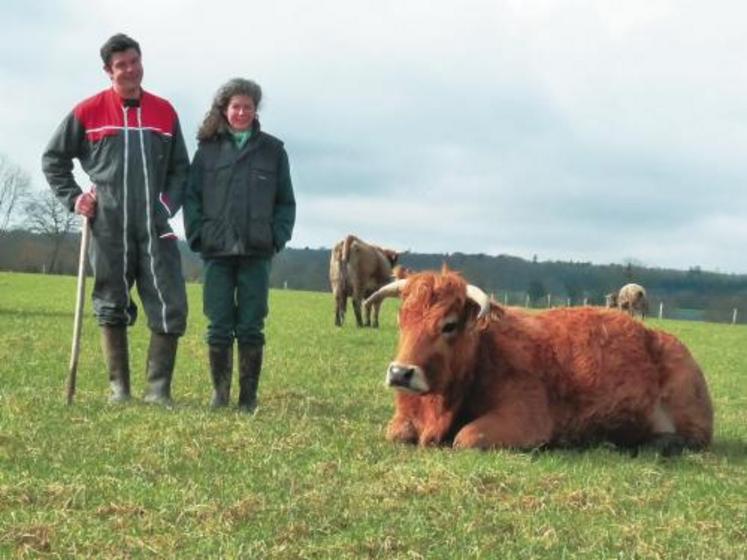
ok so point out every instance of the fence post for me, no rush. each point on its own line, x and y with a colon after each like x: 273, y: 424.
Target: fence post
x: 505, y: 298
x: 734, y: 317
x: 661, y: 309
x: 526, y: 301
x: 549, y: 299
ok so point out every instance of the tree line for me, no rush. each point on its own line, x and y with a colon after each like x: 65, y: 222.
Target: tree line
x: 38, y: 235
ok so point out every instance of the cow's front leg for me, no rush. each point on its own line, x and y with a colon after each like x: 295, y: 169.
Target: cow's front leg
x: 402, y: 430
x: 372, y: 310
x: 436, y: 429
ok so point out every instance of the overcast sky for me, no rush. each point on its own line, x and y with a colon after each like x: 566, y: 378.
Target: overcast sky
x: 587, y: 130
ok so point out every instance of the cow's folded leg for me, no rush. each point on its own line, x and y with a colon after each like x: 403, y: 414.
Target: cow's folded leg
x: 504, y: 430
x: 436, y: 427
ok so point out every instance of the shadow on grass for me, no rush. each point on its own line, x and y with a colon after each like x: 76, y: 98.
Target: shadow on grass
x: 730, y: 447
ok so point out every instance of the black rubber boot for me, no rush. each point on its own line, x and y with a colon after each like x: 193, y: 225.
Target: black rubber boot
x: 160, y: 368
x: 250, y: 366
x: 114, y: 346
x: 221, y: 368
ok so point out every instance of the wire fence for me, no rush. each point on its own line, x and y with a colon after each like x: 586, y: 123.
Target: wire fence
x: 661, y: 308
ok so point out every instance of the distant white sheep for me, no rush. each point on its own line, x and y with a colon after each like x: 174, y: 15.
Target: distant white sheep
x: 632, y: 298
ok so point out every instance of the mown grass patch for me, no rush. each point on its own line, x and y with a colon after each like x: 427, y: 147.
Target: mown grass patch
x: 310, y: 476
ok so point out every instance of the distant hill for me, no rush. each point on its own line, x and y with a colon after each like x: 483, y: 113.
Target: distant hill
x: 691, y: 294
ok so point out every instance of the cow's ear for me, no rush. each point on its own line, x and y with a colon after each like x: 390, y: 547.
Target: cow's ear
x: 497, y: 311
x: 472, y: 310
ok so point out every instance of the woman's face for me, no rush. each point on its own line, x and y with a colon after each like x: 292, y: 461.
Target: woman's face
x: 240, y: 112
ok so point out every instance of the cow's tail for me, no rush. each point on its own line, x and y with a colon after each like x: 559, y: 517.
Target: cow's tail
x: 346, y: 245
x: 339, y: 283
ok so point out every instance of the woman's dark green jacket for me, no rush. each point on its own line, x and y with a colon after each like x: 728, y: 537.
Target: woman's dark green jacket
x: 239, y: 201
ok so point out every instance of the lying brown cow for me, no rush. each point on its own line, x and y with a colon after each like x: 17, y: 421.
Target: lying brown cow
x: 473, y: 373
x: 357, y: 269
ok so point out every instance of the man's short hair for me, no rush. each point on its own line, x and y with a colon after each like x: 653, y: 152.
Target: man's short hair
x: 117, y: 43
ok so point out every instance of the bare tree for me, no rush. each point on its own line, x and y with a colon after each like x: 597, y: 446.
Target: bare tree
x: 14, y: 187
x: 47, y: 216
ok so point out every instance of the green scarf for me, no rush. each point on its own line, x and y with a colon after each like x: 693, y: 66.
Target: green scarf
x: 241, y: 137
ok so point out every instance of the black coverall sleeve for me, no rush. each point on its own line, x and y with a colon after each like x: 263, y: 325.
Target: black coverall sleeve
x: 67, y: 143
x: 178, y: 169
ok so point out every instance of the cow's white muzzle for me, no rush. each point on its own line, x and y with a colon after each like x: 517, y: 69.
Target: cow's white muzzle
x: 406, y: 377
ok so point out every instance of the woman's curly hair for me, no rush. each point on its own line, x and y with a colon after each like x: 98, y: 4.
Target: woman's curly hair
x: 214, y: 122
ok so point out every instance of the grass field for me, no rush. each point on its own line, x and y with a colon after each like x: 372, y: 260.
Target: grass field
x: 311, y: 476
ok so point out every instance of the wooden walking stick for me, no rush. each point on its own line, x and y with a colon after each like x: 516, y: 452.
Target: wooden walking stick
x: 85, y: 236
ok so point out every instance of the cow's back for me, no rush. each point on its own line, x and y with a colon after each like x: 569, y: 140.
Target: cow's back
x: 368, y: 268
x: 595, y: 364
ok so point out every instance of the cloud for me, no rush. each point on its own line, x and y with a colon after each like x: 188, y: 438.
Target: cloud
x: 579, y: 130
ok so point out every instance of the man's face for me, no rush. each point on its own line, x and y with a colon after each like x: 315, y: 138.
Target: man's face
x: 126, y: 72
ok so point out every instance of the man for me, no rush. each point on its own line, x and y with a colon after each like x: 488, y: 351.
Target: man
x: 130, y: 144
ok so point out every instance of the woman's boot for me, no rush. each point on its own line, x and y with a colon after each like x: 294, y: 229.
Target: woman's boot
x: 250, y: 366
x: 221, y: 368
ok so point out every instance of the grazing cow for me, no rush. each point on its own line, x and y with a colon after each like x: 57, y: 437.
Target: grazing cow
x: 357, y: 269
x: 632, y: 298
x: 472, y: 373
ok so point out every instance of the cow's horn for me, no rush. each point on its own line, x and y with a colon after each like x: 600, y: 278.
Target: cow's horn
x: 390, y: 290
x: 480, y: 298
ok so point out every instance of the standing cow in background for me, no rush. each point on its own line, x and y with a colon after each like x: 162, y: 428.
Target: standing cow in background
x: 472, y: 373
x: 632, y: 299
x: 357, y: 269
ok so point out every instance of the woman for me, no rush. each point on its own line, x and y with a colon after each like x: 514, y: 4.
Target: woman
x: 239, y: 211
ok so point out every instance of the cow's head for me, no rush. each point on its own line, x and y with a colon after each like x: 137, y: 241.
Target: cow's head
x: 438, y: 337
x: 400, y: 272
x: 391, y: 255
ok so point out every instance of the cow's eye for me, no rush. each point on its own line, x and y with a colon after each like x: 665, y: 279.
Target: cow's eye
x: 449, y: 328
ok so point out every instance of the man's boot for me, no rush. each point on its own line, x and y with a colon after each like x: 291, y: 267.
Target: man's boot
x: 221, y: 368
x: 160, y: 368
x: 114, y: 347
x: 250, y: 366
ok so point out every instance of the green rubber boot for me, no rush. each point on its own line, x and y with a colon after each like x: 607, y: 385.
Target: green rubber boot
x: 221, y: 368
x: 250, y: 366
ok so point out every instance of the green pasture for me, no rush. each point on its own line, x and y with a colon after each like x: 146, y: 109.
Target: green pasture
x: 311, y: 475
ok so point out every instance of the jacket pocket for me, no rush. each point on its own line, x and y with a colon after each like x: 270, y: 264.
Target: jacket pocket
x: 259, y: 236
x: 161, y: 224
x: 214, y: 237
